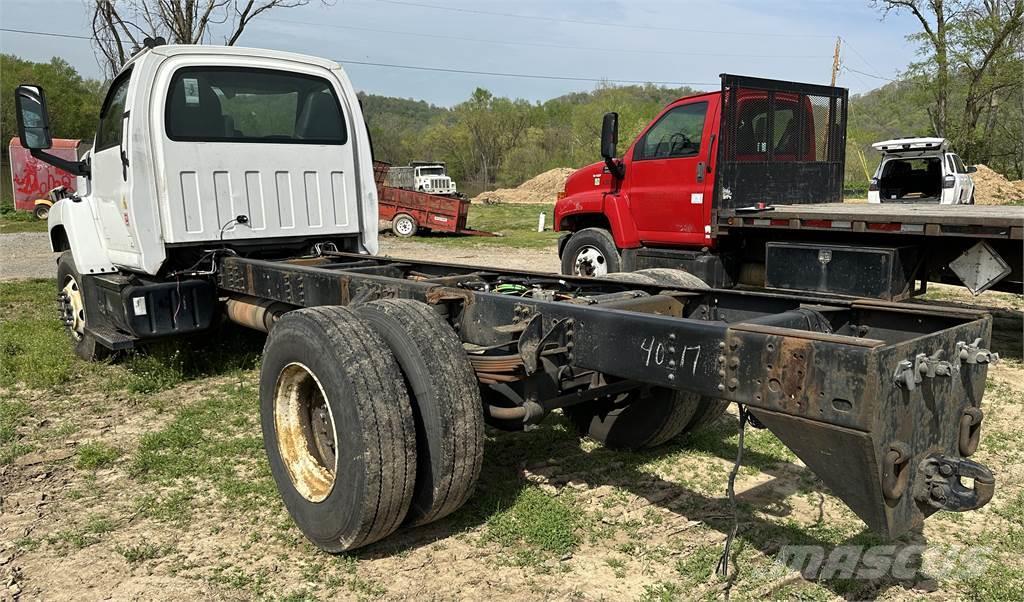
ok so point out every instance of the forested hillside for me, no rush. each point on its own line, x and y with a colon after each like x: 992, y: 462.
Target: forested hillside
x: 489, y: 141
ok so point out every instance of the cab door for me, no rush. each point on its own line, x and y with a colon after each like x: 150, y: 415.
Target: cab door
x: 111, y: 177
x: 667, y: 181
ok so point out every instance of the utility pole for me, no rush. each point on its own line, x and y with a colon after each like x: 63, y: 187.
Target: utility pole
x: 835, y: 61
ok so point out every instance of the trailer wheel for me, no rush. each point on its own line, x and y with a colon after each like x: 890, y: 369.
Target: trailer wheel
x: 337, y: 427
x: 71, y: 301
x: 445, y: 401
x: 673, y: 277
x: 635, y: 421
x: 590, y: 252
x: 41, y: 211
x: 404, y: 225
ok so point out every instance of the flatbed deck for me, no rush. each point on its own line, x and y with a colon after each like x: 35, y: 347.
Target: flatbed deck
x: 979, y: 221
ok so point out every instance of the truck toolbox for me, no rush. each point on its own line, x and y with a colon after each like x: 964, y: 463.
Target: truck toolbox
x: 875, y: 272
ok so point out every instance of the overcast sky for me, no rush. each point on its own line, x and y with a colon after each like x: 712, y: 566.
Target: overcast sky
x: 681, y: 42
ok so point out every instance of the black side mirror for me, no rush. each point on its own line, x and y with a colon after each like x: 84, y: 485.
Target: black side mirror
x: 972, y: 169
x: 609, y: 135
x: 33, y: 120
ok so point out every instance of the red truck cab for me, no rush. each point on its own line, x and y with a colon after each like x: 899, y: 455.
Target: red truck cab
x: 667, y: 188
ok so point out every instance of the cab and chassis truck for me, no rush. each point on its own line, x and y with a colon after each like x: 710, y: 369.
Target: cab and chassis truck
x: 239, y: 182
x: 744, y: 186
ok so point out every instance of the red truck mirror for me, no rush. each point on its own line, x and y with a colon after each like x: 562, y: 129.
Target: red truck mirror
x: 33, y: 121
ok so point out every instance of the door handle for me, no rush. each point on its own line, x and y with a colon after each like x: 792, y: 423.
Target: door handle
x: 700, y: 172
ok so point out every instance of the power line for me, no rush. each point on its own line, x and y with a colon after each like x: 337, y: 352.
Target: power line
x: 862, y: 59
x: 599, y: 23
x: 46, y: 33
x: 441, y: 69
x: 549, y: 45
x: 528, y: 75
x: 868, y: 74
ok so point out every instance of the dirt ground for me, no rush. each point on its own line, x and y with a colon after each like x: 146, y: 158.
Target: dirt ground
x: 131, y: 481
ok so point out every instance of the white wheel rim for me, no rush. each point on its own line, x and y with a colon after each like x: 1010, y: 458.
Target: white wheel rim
x: 77, y: 306
x: 403, y: 225
x: 302, y: 418
x: 590, y: 261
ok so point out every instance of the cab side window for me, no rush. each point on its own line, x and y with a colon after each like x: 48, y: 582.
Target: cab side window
x: 109, y: 132
x: 960, y: 167
x: 677, y: 134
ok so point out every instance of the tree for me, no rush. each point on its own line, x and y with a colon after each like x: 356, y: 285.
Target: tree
x: 73, y: 102
x: 972, y: 54
x: 120, y: 26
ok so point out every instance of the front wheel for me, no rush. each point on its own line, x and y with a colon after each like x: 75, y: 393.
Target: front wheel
x: 71, y: 300
x: 42, y: 211
x: 591, y: 252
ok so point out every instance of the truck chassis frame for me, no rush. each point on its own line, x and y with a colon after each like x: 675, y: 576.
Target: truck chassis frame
x: 881, y: 400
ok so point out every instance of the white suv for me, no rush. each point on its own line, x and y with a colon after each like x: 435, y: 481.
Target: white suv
x: 920, y: 170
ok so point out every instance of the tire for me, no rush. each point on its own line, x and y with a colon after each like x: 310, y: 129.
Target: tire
x: 631, y: 277
x: 673, y: 277
x: 326, y: 378
x: 404, y: 225
x: 445, y: 401
x: 41, y: 211
x: 636, y: 422
x: 709, y: 410
x: 73, y: 310
x: 591, y: 252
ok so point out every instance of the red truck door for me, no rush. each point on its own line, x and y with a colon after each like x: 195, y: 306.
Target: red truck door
x: 667, y: 180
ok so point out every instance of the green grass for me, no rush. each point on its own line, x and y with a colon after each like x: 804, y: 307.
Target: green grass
x: 20, y: 221
x: 517, y: 224
x: 96, y: 455
x: 34, y: 350
x: 84, y: 535
x: 141, y: 552
x: 538, y: 520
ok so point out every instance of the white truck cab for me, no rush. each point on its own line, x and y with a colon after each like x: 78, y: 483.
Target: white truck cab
x: 203, y: 150
x: 210, y: 144
x: 920, y: 170
x: 433, y: 178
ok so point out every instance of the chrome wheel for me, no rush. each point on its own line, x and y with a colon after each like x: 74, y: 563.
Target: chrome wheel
x: 306, y: 435
x: 590, y: 261
x: 73, y: 308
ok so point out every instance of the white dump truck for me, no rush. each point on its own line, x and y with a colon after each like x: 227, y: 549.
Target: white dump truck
x: 240, y: 181
x: 422, y: 176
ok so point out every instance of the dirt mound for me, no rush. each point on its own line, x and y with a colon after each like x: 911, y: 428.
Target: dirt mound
x: 542, y: 188
x: 991, y: 188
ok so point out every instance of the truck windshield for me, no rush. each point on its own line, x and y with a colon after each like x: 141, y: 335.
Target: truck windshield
x: 431, y: 171
x: 237, y: 104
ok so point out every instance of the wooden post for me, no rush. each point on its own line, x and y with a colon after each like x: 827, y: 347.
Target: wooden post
x: 835, y: 61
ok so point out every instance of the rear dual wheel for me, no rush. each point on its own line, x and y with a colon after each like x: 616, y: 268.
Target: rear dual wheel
x: 370, y: 418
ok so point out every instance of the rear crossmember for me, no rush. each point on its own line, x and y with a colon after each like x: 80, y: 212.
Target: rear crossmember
x: 882, y: 401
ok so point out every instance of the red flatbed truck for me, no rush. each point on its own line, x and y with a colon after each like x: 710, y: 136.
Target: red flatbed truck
x: 411, y: 211
x: 745, y: 186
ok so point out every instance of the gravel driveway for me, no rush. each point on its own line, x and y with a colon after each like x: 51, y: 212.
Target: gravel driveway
x: 27, y: 255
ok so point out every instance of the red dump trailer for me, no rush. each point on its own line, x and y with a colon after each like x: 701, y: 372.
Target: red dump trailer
x: 410, y: 211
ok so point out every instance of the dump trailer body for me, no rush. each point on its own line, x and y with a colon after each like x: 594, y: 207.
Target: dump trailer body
x: 874, y: 397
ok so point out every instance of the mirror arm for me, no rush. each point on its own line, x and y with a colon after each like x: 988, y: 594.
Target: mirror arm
x: 75, y: 168
x: 616, y: 168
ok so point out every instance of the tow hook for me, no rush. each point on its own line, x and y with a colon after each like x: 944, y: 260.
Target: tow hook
x: 941, y: 487
x: 974, y: 353
x: 910, y: 374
